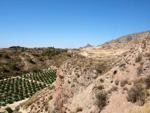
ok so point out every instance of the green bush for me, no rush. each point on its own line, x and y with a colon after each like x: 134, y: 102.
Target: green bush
x: 30, y: 60
x: 3, y: 69
x: 40, y: 58
x: 49, y: 57
x: 9, y: 110
x: 34, y: 54
x: 46, y: 52
x: 14, y: 66
x: 66, y: 50
x: 57, y: 52
x: 69, y: 55
x: 22, y: 50
x: 99, y: 70
x: 6, y: 56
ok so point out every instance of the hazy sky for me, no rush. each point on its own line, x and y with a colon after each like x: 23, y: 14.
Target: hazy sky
x: 70, y: 23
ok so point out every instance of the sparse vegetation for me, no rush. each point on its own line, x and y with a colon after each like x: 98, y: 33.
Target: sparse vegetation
x: 99, y: 71
x: 147, y: 55
x: 51, y: 52
x: 66, y: 50
x: 123, y: 83
x: 138, y: 94
x: 79, y: 109
x: 138, y: 59
x: 144, y: 44
x: 116, y: 82
x: 114, y: 88
x: 101, y: 99
x: 139, y: 70
x: 40, y: 58
x: 30, y: 60
x: 14, y: 66
x: 101, y: 80
x: 125, y: 88
x: 147, y: 81
x: 9, y: 110
x: 6, y: 56
x: 69, y: 55
x: 100, y: 87
x: 3, y: 69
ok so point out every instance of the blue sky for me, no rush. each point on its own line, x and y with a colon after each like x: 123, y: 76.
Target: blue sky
x: 70, y: 23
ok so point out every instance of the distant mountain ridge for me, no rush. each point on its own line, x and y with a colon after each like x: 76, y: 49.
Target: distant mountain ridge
x: 88, y: 45
x: 125, y: 42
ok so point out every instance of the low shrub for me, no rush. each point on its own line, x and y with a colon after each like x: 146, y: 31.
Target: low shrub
x: 147, y: 55
x: 69, y: 55
x: 79, y: 109
x: 40, y: 58
x: 14, y: 66
x: 66, y: 50
x: 101, y: 99
x: 17, y: 108
x: 100, y: 87
x: 138, y: 59
x: 125, y: 88
x: 116, y: 82
x: 114, y: 88
x: 6, y: 56
x: 138, y: 93
x: 101, y: 80
x: 147, y: 81
x: 9, y: 110
x: 3, y: 69
x: 139, y: 70
x: 30, y: 60
x: 123, y: 83
x: 99, y: 70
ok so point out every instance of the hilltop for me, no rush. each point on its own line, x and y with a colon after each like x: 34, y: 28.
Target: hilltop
x: 18, y: 60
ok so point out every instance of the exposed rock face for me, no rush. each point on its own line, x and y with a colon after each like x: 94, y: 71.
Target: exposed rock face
x: 74, y: 89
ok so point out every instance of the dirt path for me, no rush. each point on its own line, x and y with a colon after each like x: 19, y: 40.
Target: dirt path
x: 15, y: 104
x: 25, y: 62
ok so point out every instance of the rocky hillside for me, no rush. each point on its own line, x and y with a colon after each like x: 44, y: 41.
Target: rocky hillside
x: 115, y: 47
x: 125, y: 42
x: 20, y: 60
x: 85, y: 85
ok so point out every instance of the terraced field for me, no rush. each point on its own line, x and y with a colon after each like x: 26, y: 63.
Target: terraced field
x: 21, y: 87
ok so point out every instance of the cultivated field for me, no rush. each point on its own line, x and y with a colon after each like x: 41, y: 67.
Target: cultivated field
x: 18, y: 88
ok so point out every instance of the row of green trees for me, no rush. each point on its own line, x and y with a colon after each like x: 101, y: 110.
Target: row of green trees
x: 19, y: 88
x: 45, y: 77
